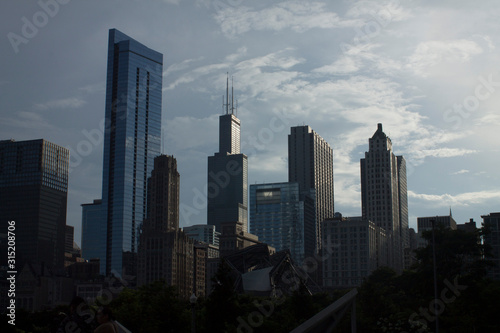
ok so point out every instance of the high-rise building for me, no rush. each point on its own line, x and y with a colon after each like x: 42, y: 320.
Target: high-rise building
x: 425, y: 224
x: 281, y: 219
x: 132, y: 139
x: 310, y: 164
x: 94, y: 233
x: 165, y: 252
x: 33, y: 193
x: 205, y: 233
x: 384, y: 194
x: 228, y: 175
x: 356, y: 248
x: 491, y: 223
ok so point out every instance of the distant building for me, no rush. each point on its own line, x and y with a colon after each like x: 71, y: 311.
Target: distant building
x: 491, y: 223
x: 280, y: 218
x: 233, y: 238
x: 227, y: 177
x: 132, y: 139
x: 425, y: 224
x: 34, y: 192
x: 384, y: 198
x: 94, y: 233
x: 205, y: 233
x: 467, y: 226
x: 165, y: 252
x: 310, y: 164
x: 409, y: 252
x: 355, y: 248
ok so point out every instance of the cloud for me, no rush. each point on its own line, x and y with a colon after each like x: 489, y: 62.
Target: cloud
x: 67, y: 103
x: 294, y: 15
x: 462, y: 199
x: 459, y: 172
x: 27, y: 120
x: 431, y: 53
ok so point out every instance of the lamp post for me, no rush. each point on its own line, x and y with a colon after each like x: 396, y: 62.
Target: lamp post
x: 193, y: 300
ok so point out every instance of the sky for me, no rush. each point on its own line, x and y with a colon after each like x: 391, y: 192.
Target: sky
x: 427, y: 70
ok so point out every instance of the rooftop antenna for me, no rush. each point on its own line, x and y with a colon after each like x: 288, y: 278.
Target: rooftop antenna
x: 232, y: 95
x: 227, y: 93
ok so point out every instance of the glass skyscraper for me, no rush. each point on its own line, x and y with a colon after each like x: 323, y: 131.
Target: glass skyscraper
x: 281, y: 219
x: 131, y: 142
x: 33, y: 193
x: 228, y: 176
x: 94, y: 233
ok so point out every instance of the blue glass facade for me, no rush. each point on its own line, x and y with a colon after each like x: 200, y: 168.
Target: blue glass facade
x: 94, y: 233
x: 279, y: 218
x: 132, y: 141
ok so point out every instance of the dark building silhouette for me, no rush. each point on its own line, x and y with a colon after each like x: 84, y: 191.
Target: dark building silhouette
x: 228, y: 174
x: 384, y: 194
x: 33, y: 193
x: 310, y: 164
x: 165, y: 252
x: 491, y: 223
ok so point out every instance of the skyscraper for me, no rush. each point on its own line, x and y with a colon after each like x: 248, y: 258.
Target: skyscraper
x: 228, y: 174
x: 310, y: 163
x: 131, y: 141
x: 282, y: 220
x: 384, y: 194
x: 33, y: 193
x: 94, y: 233
x: 165, y: 252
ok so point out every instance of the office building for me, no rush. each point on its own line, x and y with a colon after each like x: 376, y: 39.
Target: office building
x: 227, y: 181
x: 356, y: 247
x: 33, y: 193
x: 205, y: 233
x: 165, y: 252
x: 491, y: 223
x: 94, y: 233
x: 310, y: 164
x: 281, y: 219
x: 425, y: 224
x: 132, y: 139
x: 384, y: 194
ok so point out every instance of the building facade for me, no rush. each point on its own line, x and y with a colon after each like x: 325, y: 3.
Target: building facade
x: 282, y: 220
x: 94, y: 233
x: 425, y: 224
x: 227, y: 181
x: 33, y: 193
x: 205, y: 233
x: 132, y: 139
x: 165, y: 252
x: 310, y: 164
x: 384, y: 194
x: 491, y: 223
x: 356, y: 248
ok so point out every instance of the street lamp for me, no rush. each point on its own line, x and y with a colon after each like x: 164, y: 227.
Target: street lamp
x: 193, y: 300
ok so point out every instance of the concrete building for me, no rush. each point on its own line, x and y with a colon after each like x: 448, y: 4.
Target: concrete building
x: 384, y: 194
x: 165, y: 252
x: 425, y: 224
x: 310, y: 164
x: 355, y: 247
x: 281, y: 219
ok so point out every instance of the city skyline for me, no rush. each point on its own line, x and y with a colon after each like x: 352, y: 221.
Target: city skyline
x: 339, y: 68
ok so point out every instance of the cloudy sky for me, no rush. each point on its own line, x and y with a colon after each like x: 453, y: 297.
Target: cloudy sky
x: 427, y: 70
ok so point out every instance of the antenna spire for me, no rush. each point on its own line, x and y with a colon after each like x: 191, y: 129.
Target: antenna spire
x: 227, y: 93
x: 232, y: 95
